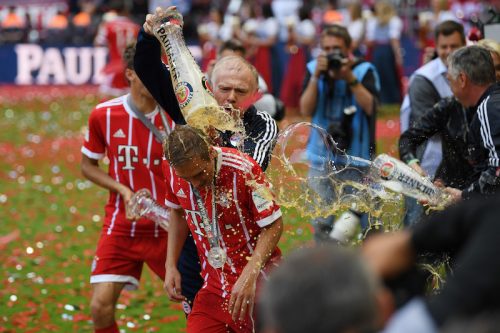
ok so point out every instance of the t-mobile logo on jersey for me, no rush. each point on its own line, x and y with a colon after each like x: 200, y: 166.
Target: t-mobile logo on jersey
x: 195, y: 215
x: 130, y: 156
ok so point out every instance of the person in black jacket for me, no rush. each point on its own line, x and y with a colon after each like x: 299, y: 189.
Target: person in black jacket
x: 260, y: 127
x: 472, y: 79
x: 469, y: 234
x: 230, y: 76
x: 451, y: 120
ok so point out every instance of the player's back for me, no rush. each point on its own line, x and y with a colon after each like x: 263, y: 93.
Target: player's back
x: 116, y: 34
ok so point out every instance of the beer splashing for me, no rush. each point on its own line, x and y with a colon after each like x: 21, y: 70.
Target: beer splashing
x: 299, y: 179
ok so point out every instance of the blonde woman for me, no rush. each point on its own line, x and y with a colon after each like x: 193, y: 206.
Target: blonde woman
x: 494, y: 48
x: 356, y: 27
x: 383, y: 33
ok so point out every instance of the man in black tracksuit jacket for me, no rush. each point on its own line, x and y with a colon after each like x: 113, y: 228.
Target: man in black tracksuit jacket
x: 451, y: 120
x: 472, y: 79
x: 258, y: 141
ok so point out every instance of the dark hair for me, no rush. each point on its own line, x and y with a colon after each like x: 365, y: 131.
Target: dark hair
x: 129, y: 54
x: 449, y: 27
x: 183, y: 144
x: 234, y: 45
x: 305, y: 12
x: 339, y: 32
x: 267, y: 10
x: 312, y: 282
x: 117, y: 5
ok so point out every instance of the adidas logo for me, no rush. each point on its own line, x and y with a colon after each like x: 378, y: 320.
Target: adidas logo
x: 119, y: 134
x: 181, y: 194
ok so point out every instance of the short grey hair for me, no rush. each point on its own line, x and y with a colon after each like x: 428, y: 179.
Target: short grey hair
x: 312, y: 282
x: 236, y: 63
x: 475, y: 62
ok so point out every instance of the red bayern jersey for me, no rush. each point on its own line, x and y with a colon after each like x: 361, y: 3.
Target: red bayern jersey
x: 116, y: 34
x: 241, y: 213
x: 135, y: 158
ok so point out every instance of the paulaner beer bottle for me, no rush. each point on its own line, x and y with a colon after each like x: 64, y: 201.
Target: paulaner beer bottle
x: 198, y: 106
x: 399, y: 177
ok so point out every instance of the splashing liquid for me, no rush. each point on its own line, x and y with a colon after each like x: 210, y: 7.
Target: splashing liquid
x: 300, y: 180
x: 193, y: 92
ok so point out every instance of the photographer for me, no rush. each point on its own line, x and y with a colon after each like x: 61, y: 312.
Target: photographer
x: 340, y: 93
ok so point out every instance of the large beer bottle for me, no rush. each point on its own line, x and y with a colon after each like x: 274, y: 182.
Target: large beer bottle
x: 193, y: 92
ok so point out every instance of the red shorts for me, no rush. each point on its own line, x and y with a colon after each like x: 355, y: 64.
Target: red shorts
x: 210, y: 315
x: 120, y: 259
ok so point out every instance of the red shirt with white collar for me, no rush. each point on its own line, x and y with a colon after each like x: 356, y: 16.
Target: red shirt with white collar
x: 135, y: 158
x: 241, y: 213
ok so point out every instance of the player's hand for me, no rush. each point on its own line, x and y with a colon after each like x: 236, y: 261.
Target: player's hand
x: 243, y: 294
x: 321, y: 64
x: 126, y: 195
x: 416, y: 166
x: 345, y: 71
x: 172, y: 285
x: 455, y: 194
x: 150, y: 18
x: 389, y: 254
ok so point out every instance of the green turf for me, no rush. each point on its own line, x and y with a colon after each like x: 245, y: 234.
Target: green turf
x: 58, y: 215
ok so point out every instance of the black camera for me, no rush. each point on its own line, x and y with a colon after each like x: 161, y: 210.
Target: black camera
x: 335, y: 59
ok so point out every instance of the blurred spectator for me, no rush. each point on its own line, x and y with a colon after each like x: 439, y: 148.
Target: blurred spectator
x: 494, y: 48
x: 340, y: 94
x: 427, y: 86
x: 57, y: 29
x: 428, y: 20
x: 13, y: 27
x: 208, y: 47
x: 84, y: 24
x: 116, y: 31
x: 301, y: 38
x: 383, y: 33
x: 208, y: 37
x: 261, y: 32
x: 357, y: 28
x: 325, y: 289
x: 331, y: 15
x: 468, y: 233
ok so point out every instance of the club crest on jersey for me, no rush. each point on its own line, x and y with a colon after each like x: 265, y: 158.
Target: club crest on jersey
x: 184, y: 93
x: 224, y: 200
x: 186, y: 307
x: 206, y: 86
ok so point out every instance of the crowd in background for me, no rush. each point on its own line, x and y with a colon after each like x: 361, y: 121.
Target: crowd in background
x: 277, y: 35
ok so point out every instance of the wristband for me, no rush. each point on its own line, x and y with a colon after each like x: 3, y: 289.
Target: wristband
x: 413, y: 161
x: 353, y: 83
x: 313, y: 79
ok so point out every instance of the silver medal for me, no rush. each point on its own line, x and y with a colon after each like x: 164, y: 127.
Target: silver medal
x: 217, y: 257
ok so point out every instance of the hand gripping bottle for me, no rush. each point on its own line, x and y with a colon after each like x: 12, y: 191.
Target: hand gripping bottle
x: 142, y: 204
x: 399, y: 177
x: 194, y: 95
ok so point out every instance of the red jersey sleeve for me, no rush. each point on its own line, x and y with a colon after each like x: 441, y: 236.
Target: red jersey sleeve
x: 94, y: 144
x: 170, y: 198
x: 264, y: 210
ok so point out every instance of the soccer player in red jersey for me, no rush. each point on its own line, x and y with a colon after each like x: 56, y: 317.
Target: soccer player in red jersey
x: 216, y: 190
x: 116, y: 32
x: 135, y: 155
